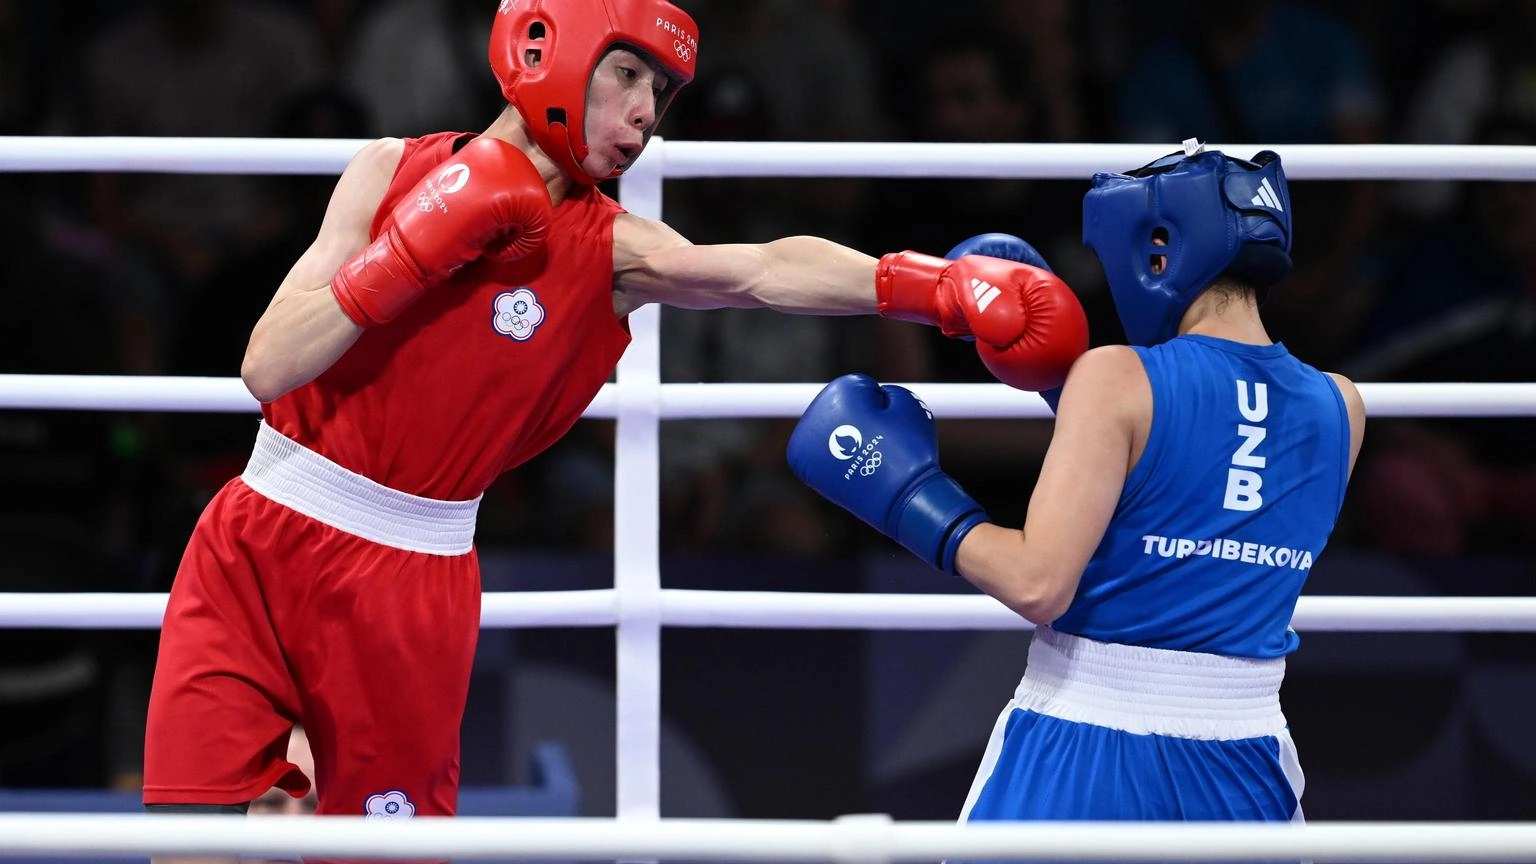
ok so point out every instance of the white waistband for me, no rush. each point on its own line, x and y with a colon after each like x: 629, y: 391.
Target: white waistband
x: 301, y: 479
x: 1151, y: 691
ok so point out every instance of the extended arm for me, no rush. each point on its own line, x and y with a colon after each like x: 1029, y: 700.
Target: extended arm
x: 1028, y: 325
x: 804, y: 275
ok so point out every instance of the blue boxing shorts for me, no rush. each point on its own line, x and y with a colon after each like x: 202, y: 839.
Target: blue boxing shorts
x: 1098, y: 731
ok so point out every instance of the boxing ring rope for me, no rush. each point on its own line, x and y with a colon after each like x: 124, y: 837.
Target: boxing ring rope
x: 638, y: 607
x: 856, y: 839
x: 716, y: 401
x: 693, y: 159
x: 802, y: 610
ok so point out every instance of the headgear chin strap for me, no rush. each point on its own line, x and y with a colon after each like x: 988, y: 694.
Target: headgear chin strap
x: 543, y: 53
x: 1218, y: 215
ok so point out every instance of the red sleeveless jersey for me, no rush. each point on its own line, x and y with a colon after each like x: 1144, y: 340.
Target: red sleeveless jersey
x: 482, y: 373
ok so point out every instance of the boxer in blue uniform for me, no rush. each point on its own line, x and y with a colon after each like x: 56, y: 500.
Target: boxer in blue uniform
x: 1193, y: 478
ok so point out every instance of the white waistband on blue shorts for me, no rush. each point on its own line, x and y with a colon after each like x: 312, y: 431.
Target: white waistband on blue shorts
x: 301, y: 479
x: 1151, y: 691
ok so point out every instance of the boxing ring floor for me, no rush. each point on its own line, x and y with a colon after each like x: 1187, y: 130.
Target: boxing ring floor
x: 638, y: 608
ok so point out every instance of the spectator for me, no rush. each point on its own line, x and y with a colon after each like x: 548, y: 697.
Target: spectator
x: 1276, y: 72
x: 277, y: 802
x: 1461, y: 307
x: 191, y: 67
x: 1066, y: 83
x: 1487, y: 73
x: 967, y: 91
x: 74, y: 509
x: 419, y: 65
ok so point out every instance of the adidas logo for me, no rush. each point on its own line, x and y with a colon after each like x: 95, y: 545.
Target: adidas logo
x: 1267, y: 196
x: 985, y: 293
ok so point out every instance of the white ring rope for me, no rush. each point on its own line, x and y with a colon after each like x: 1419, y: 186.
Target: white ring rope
x: 849, y: 840
x: 717, y: 401
x: 638, y: 607
x: 685, y: 159
x: 804, y: 610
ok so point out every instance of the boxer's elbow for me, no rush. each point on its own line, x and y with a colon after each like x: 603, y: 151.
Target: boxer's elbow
x: 1039, y: 598
x: 292, y: 345
x: 1025, y: 577
x: 266, y: 373
x: 1040, y: 611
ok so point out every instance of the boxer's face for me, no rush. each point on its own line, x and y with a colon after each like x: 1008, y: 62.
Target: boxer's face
x: 1159, y: 262
x: 622, y: 102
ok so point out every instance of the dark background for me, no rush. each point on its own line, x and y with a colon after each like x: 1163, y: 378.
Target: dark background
x: 160, y: 274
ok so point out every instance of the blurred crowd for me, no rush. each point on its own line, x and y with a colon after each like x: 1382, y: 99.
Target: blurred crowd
x: 151, y: 274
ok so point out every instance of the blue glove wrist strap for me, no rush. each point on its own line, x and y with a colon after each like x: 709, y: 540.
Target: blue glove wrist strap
x: 933, y: 520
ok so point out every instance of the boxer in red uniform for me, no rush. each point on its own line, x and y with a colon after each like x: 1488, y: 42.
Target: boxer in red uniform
x: 464, y: 300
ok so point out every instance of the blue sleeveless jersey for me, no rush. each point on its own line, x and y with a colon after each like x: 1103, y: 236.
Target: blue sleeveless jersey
x: 1233, y: 499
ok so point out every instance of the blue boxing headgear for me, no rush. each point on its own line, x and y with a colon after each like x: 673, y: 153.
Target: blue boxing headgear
x: 1218, y: 215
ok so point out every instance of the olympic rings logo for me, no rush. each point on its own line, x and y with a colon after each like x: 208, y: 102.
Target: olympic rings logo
x: 684, y: 53
x: 871, y: 465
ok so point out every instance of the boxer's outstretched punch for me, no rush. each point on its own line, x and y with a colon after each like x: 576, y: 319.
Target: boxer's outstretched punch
x: 465, y: 299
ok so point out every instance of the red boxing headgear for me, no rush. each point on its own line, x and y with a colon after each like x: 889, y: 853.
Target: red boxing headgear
x: 543, y: 53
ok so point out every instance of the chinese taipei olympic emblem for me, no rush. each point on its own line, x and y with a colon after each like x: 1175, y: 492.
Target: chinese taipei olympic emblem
x: 517, y: 314
x: 389, y: 805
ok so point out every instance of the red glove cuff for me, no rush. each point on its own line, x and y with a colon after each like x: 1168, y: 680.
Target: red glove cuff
x: 378, y: 283
x: 907, y: 289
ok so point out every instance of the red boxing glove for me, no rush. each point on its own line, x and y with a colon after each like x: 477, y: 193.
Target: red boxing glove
x: 487, y: 199
x: 1029, y: 326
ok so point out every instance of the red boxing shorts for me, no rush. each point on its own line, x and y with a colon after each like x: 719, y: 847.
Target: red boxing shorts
x: 323, y: 599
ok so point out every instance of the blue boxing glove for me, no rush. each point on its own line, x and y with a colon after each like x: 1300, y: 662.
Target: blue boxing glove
x: 872, y: 449
x: 998, y: 245
x: 1010, y: 248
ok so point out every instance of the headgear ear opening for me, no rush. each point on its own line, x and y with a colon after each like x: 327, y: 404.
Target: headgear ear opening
x: 1216, y: 214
